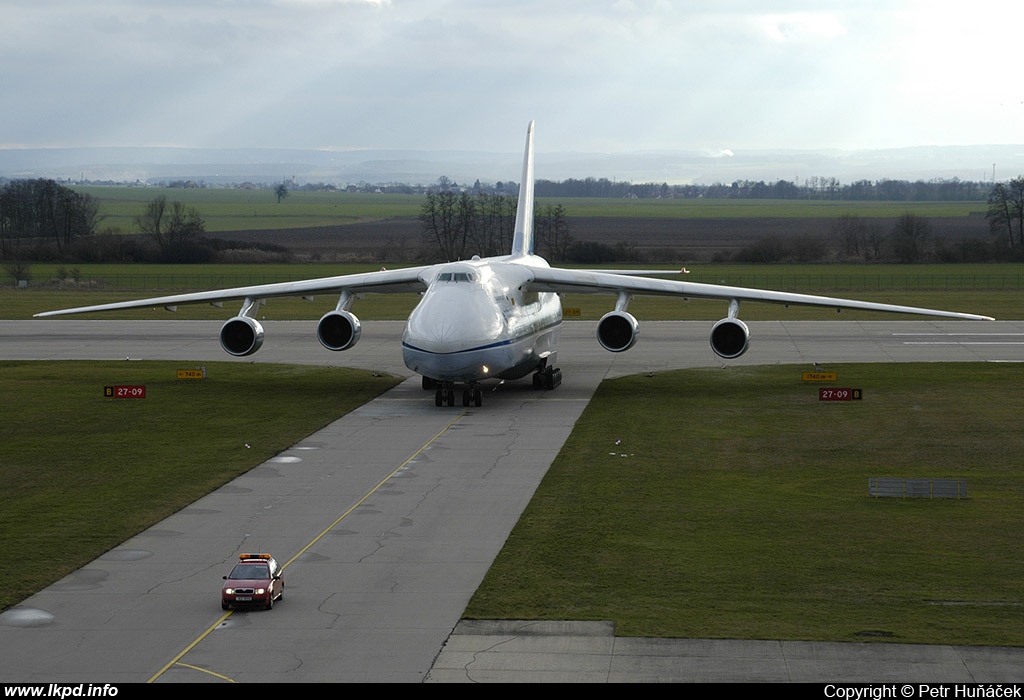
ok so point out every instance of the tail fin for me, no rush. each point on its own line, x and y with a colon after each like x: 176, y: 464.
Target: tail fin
x: 522, y: 239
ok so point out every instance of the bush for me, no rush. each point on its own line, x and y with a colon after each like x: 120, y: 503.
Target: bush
x: 108, y: 248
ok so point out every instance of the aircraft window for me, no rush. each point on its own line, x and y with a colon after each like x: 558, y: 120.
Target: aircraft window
x: 456, y: 277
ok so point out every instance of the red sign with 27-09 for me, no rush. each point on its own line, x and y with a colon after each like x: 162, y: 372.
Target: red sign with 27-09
x: 125, y: 391
x: 831, y: 394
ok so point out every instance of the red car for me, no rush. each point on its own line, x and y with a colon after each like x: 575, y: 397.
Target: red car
x: 254, y: 582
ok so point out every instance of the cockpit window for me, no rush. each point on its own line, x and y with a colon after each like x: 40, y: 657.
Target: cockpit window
x: 456, y: 277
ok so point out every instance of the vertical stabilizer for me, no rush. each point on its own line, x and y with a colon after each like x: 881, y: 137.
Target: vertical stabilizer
x: 522, y: 239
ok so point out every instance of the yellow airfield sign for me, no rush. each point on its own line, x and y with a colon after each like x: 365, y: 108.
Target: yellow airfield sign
x: 820, y: 376
x: 192, y: 373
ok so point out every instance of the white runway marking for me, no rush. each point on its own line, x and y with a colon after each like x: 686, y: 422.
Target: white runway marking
x: 983, y: 338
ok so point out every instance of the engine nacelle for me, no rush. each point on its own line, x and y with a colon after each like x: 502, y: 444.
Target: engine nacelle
x: 730, y: 338
x: 617, y: 331
x: 338, y: 330
x: 241, y: 336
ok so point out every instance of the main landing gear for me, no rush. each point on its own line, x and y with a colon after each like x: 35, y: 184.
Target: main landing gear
x: 444, y: 392
x: 547, y: 378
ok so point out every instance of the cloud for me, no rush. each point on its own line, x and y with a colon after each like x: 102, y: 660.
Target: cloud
x: 622, y: 75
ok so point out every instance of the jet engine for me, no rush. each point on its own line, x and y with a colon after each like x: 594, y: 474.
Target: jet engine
x: 241, y: 336
x: 730, y: 338
x: 338, y: 330
x: 617, y: 331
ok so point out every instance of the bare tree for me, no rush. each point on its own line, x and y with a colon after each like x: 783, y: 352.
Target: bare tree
x: 1006, y: 206
x: 852, y: 235
x: 495, y: 224
x: 152, y: 222
x: 456, y: 225
x: 441, y: 229
x: 875, y: 241
x: 41, y: 209
x: 552, y: 229
x: 909, y: 237
x: 170, y: 226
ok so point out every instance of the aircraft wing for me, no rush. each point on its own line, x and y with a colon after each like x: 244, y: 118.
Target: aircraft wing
x: 409, y: 279
x: 594, y: 282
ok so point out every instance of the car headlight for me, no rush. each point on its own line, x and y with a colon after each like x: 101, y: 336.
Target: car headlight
x: 229, y: 591
x: 261, y: 591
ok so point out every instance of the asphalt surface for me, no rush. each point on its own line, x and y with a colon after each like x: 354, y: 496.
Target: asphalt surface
x: 388, y: 519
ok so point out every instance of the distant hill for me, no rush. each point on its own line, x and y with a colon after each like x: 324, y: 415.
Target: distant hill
x: 268, y: 165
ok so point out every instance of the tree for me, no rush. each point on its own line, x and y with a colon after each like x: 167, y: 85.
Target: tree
x: 443, y: 234
x: 552, y: 229
x: 458, y: 224
x: 875, y: 241
x: 909, y: 237
x: 152, y: 222
x: 281, y: 191
x: 40, y: 210
x: 494, y: 225
x: 173, y: 228
x: 1005, y: 206
x: 852, y: 234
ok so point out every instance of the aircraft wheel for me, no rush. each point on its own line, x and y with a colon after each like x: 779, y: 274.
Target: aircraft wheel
x: 554, y: 378
x: 478, y: 398
x: 438, y: 397
x: 451, y: 397
x: 465, y: 397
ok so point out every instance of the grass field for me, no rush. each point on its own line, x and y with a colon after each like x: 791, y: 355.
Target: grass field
x: 734, y: 504
x: 81, y: 473
x: 226, y: 210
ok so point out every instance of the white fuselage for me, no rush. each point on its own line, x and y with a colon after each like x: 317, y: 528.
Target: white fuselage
x: 474, y: 323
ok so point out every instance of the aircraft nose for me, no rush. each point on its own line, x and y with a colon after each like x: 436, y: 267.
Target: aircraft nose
x: 454, y: 320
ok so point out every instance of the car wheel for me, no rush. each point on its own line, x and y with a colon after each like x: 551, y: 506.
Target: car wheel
x: 270, y: 602
x: 224, y: 606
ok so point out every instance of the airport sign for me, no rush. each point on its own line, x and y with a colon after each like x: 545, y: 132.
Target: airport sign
x: 833, y: 394
x: 819, y: 376
x: 125, y: 391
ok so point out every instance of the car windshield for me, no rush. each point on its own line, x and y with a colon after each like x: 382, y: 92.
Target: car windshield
x: 249, y: 571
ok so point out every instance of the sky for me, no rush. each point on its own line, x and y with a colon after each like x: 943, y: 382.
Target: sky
x: 600, y: 76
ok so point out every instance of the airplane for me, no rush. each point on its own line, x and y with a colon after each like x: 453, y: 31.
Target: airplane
x: 495, y: 318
